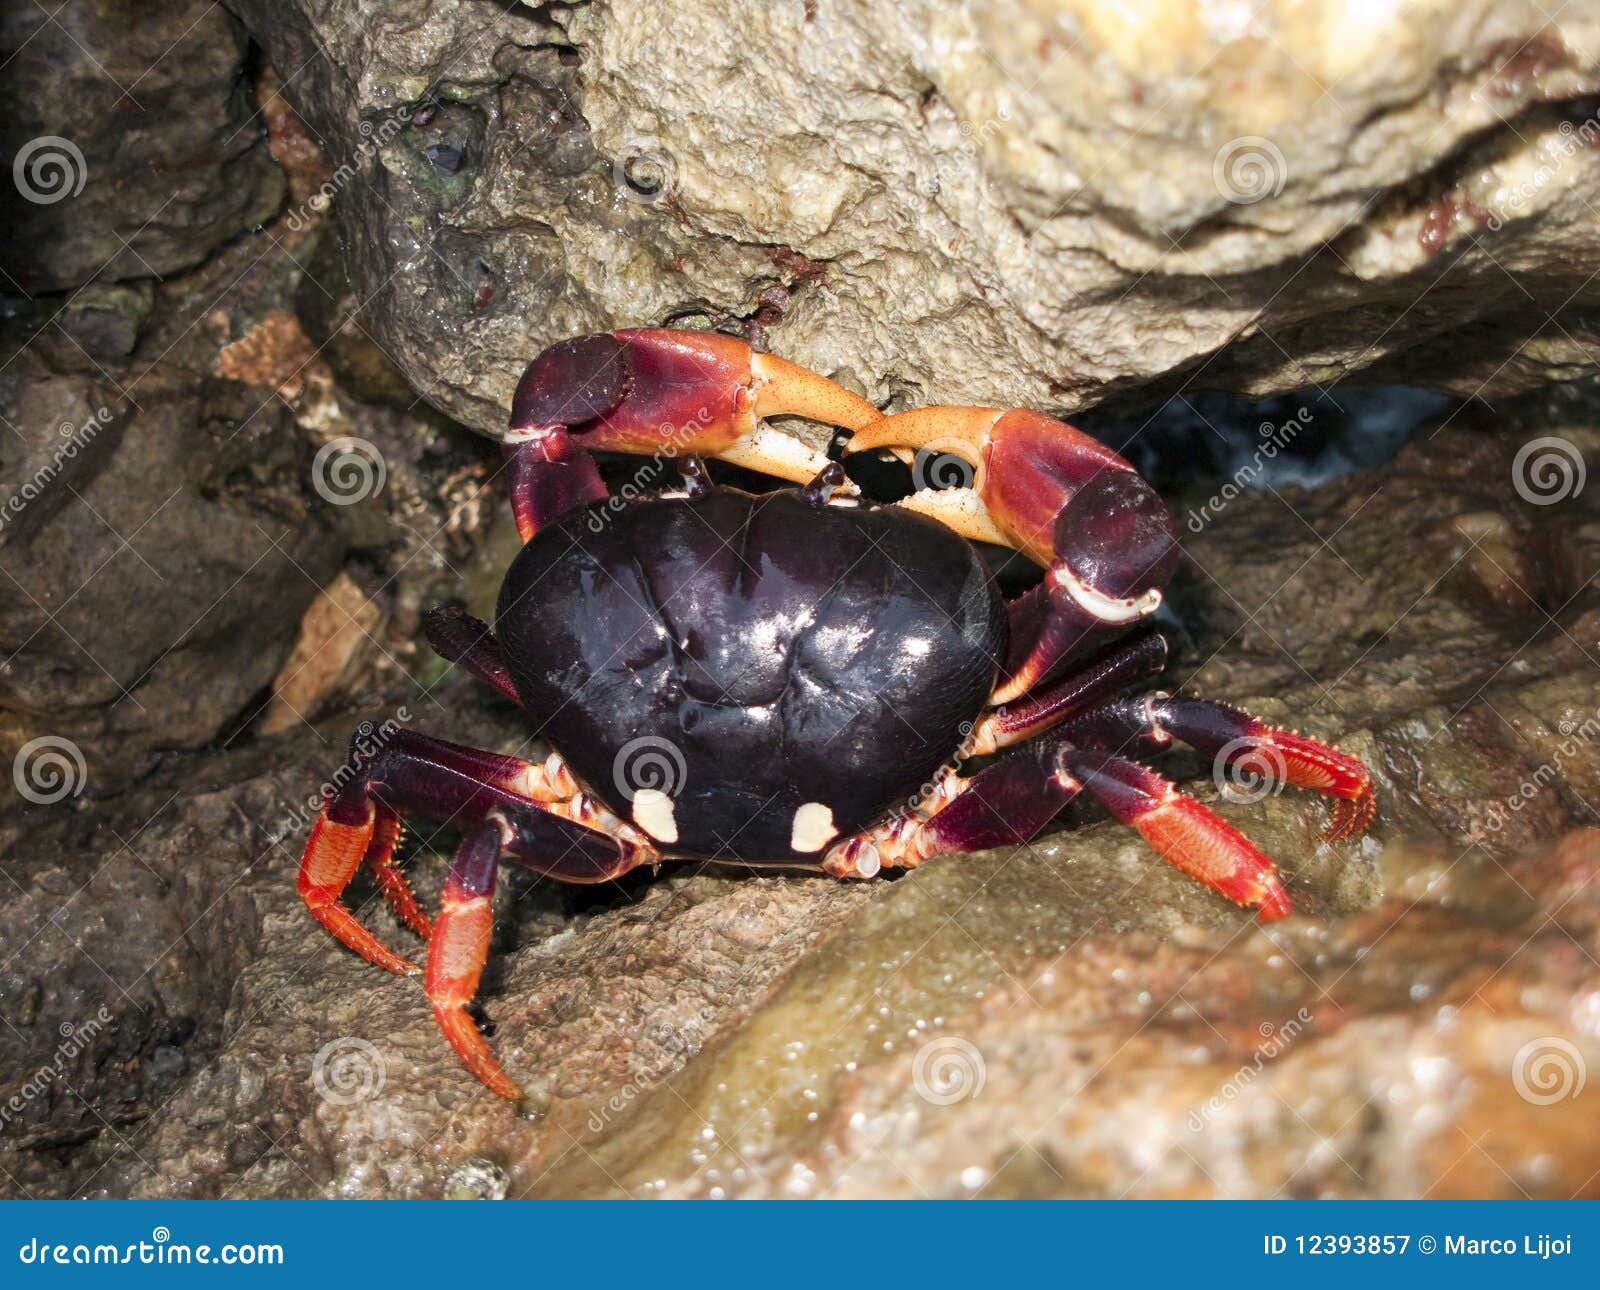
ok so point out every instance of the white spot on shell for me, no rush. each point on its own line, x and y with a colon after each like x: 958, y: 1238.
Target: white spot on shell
x: 653, y: 812
x: 813, y: 827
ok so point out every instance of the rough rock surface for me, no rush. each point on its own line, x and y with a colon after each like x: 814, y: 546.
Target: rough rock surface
x: 1004, y: 201
x: 1419, y: 1029
x: 143, y: 114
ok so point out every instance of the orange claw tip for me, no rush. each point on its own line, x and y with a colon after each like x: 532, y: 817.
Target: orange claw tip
x: 463, y: 1035
x: 783, y: 388
x: 962, y: 431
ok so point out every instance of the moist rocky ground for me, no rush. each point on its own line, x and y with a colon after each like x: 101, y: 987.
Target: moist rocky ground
x: 199, y: 608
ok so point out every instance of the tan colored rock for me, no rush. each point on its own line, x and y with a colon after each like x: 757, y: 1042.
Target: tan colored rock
x: 335, y: 632
x: 1004, y: 201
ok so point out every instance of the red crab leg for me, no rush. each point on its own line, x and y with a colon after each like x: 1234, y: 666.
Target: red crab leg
x: 1008, y: 803
x: 332, y: 856
x: 394, y: 885
x: 663, y: 393
x: 458, y: 637
x: 1003, y: 805
x: 461, y: 947
x: 1180, y: 829
x: 1234, y: 738
x: 446, y: 782
x: 1063, y: 499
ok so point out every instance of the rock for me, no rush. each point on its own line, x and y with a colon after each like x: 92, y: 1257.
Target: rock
x: 1071, y: 1018
x: 133, y: 137
x: 998, y: 201
x: 160, y: 557
x: 335, y: 632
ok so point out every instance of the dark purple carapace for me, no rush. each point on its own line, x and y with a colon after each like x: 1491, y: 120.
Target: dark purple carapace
x: 775, y: 644
x: 793, y: 677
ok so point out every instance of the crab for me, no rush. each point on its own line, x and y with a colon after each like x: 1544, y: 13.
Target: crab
x: 795, y: 677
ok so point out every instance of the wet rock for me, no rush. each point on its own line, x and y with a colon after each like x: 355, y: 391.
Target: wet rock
x: 998, y: 201
x: 132, y: 130
x: 1074, y: 1017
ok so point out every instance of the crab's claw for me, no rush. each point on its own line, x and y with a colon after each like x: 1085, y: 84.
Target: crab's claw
x: 665, y: 393
x: 1060, y: 497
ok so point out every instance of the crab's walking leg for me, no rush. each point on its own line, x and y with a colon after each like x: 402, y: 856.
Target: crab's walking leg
x: 1008, y: 803
x: 1002, y: 805
x: 1234, y: 740
x: 460, y: 948
x: 411, y: 773
x: 538, y: 841
x: 391, y: 881
x: 1124, y: 663
x: 457, y: 637
x: 1180, y: 829
x: 338, y: 841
